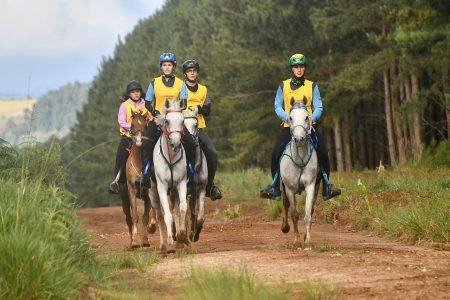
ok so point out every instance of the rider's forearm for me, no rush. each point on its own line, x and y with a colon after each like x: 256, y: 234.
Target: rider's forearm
x: 279, y: 105
x: 317, y: 104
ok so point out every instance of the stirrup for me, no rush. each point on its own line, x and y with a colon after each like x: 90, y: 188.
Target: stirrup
x: 113, y: 188
x: 214, y: 192
x: 330, y: 192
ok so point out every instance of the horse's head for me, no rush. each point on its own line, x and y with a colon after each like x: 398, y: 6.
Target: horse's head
x: 138, y: 124
x: 299, y: 122
x: 191, y: 122
x: 171, y: 122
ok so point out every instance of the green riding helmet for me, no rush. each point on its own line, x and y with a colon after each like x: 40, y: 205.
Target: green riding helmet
x: 297, y: 59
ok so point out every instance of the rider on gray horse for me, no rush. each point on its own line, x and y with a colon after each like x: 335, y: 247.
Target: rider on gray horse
x: 198, y: 97
x: 167, y: 85
x: 298, y: 87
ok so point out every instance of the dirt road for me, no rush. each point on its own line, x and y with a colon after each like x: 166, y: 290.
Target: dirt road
x: 359, y: 265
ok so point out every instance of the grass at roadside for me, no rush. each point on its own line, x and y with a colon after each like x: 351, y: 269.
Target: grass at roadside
x: 44, y: 252
x: 407, y: 203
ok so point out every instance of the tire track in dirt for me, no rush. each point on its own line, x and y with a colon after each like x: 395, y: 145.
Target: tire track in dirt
x: 359, y: 265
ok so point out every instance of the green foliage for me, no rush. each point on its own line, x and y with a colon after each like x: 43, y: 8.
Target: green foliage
x: 437, y: 155
x: 44, y: 253
x: 130, y: 260
x: 226, y: 284
x: 274, y: 210
x: 311, y: 290
x: 242, y: 185
x: 243, y: 48
x: 411, y: 204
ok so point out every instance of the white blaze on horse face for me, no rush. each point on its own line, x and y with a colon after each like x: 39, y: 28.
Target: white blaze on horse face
x: 139, y: 139
x: 299, y: 124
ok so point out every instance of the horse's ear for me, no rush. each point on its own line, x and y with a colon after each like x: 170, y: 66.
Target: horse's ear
x: 292, y: 101
x: 167, y: 103
x: 304, y: 100
x: 183, y: 104
x: 133, y: 113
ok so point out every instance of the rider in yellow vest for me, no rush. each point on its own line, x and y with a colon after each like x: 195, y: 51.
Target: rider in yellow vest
x: 133, y: 102
x: 298, y: 87
x: 198, y: 97
x: 165, y: 86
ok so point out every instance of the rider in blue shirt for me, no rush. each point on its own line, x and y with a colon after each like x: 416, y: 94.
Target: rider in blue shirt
x: 298, y: 88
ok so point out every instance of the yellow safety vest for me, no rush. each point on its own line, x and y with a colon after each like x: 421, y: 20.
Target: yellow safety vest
x: 162, y: 92
x: 197, y: 98
x: 130, y: 107
x: 305, y: 90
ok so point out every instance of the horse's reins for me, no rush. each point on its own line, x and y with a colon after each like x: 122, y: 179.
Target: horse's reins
x: 171, y: 154
x: 303, y: 163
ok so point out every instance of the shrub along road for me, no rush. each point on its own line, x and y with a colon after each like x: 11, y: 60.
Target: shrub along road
x: 357, y: 264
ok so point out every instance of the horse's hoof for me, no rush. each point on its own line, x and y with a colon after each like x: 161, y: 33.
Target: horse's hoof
x: 285, y: 228
x: 146, y: 245
x: 151, y: 229
x: 134, y: 246
x: 169, y: 251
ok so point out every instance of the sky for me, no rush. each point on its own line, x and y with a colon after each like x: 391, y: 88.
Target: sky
x: 46, y: 44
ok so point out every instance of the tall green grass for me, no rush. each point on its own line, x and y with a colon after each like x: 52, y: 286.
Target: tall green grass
x: 44, y: 252
x: 227, y: 285
x: 408, y: 203
x: 243, y: 185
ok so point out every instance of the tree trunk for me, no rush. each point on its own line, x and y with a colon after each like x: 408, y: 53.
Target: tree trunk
x: 330, y: 147
x: 409, y: 117
x: 404, y: 123
x: 388, y: 115
x: 395, y: 115
x: 347, y: 144
x: 338, y: 145
x: 417, y: 115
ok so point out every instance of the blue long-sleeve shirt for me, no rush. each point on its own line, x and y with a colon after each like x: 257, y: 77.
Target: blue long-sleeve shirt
x: 316, y: 104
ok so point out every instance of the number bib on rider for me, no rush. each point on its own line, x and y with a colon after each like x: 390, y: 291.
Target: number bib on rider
x: 162, y: 92
x: 197, y: 98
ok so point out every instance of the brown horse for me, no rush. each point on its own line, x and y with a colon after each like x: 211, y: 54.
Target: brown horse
x: 130, y: 192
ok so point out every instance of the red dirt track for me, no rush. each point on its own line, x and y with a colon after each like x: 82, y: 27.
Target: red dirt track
x: 358, y: 265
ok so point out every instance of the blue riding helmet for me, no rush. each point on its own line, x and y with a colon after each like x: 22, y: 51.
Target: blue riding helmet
x: 168, y: 57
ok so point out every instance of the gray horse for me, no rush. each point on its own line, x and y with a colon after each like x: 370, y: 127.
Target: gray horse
x: 299, y: 169
x: 171, y: 176
x: 198, y: 189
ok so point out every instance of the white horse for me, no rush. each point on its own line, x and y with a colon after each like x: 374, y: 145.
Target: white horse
x: 198, y: 189
x: 299, y: 168
x: 170, y: 171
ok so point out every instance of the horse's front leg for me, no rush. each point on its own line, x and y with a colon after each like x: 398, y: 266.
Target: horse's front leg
x: 290, y: 193
x: 164, y: 202
x: 151, y: 227
x: 126, y: 208
x: 285, y: 223
x: 156, y: 206
x: 145, y: 219
x: 134, y: 217
x: 309, y: 208
x: 201, y: 213
x: 181, y: 226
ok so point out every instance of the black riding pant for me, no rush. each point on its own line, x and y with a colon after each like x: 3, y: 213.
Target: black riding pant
x: 154, y: 133
x: 122, y: 156
x: 283, y: 139
x: 210, y: 153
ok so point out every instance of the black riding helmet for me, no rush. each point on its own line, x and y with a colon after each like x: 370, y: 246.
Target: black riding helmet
x: 189, y: 64
x: 134, y: 85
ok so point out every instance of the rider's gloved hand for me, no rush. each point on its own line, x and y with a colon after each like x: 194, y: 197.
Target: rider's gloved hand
x: 200, y: 109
